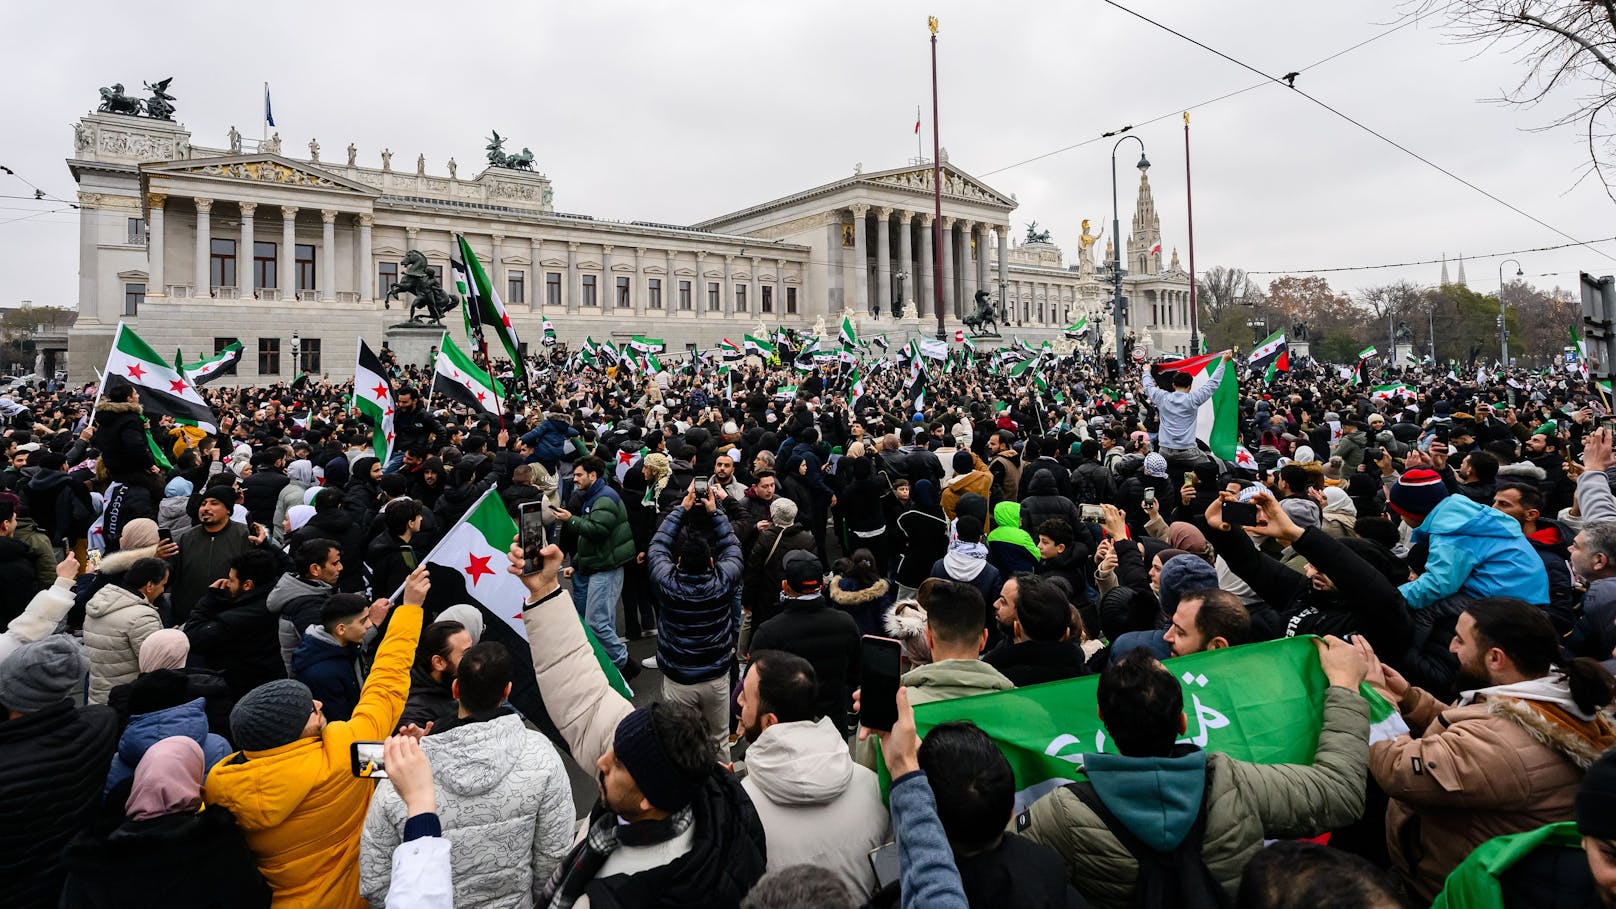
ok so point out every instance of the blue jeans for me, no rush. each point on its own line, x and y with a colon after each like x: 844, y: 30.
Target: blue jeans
x: 395, y: 460
x: 594, y: 595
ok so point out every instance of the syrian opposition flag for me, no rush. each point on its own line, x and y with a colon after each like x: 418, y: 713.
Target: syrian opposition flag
x: 1367, y: 352
x: 474, y: 550
x: 549, y: 334
x: 916, y: 392
x: 1582, y: 351
x: 220, y: 364
x: 1217, y: 423
x: 1077, y: 329
x: 163, y: 391
x: 1240, y: 694
x: 729, y: 350
x: 1272, y: 356
x: 881, y: 342
x: 1387, y: 392
x: 848, y: 336
x: 456, y: 377
x: 855, y: 387
x: 763, y: 347
x: 1361, y: 371
x: 373, y: 398
x: 484, y: 305
x: 647, y: 345
x: 1243, y: 458
x: 627, y: 461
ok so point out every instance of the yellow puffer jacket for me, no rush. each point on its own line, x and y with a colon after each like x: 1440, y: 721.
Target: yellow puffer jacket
x: 300, y: 805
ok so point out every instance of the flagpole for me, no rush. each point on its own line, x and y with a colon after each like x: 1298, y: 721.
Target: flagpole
x: 936, y: 183
x: 1189, y: 210
x: 263, y: 117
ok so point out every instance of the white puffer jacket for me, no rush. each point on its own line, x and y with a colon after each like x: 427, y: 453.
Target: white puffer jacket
x: 816, y: 805
x: 116, y: 623
x: 505, y: 804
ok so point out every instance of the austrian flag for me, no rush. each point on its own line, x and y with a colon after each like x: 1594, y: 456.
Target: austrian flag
x: 373, y: 398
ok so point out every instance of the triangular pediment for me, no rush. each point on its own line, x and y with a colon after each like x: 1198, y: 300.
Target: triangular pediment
x: 259, y: 168
x: 957, y: 184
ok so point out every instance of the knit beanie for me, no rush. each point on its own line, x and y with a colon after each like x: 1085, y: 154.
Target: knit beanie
x: 1417, y: 492
x: 782, y: 512
x: 271, y: 715
x: 223, y: 494
x: 1596, y: 800
x: 963, y: 462
x: 636, y: 745
x: 1181, y: 574
x: 40, y: 674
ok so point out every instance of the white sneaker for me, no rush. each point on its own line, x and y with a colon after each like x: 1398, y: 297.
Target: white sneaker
x: 649, y: 662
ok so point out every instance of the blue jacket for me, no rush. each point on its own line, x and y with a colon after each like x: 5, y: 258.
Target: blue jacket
x: 147, y: 729
x: 331, y: 670
x: 1478, y: 551
x: 926, y: 866
x: 549, y: 441
x: 696, y: 622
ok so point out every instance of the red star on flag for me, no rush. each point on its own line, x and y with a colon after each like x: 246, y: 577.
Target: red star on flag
x: 389, y: 438
x: 624, y: 457
x: 176, y: 386
x: 135, y: 371
x: 480, y: 397
x: 380, y: 390
x: 478, y: 568
x: 388, y: 412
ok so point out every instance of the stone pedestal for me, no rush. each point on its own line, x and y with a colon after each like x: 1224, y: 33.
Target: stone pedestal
x: 1299, y: 349
x: 1400, y: 355
x: 414, y: 343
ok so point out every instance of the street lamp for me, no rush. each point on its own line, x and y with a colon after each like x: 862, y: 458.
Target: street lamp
x: 297, y: 349
x: 1503, y: 330
x: 1117, y: 315
x: 902, y: 302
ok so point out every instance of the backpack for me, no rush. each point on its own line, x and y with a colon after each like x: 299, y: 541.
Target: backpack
x: 1166, y: 879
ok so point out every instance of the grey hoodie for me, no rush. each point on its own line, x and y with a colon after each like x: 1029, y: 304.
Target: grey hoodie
x: 291, y: 587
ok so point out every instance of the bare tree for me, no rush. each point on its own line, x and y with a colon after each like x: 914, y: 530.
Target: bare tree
x: 1222, y: 288
x: 1566, y: 47
x: 1394, y: 299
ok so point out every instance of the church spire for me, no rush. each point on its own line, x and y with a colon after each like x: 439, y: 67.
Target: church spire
x: 1445, y: 281
x: 1144, y: 244
x: 1461, y: 271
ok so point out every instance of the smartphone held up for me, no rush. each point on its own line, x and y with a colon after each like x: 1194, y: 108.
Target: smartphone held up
x: 878, y: 698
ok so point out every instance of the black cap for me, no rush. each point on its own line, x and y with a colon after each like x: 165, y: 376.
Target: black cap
x: 803, y: 571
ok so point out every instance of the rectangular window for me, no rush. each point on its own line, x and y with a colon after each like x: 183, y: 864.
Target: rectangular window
x: 137, y: 231
x: 713, y: 304
x: 133, y: 296
x: 308, y: 356
x: 589, y: 291
x: 264, y: 269
x: 684, y: 296
x: 740, y: 298
x: 791, y: 301
x: 269, y: 356
x: 768, y: 298
x: 220, y: 344
x: 516, y: 288
x: 622, y: 293
x: 552, y: 289
x: 653, y: 292
x: 305, y: 266
x: 386, y: 277
x: 222, y: 263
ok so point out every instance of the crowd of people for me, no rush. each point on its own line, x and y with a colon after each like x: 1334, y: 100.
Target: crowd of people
x: 225, y: 679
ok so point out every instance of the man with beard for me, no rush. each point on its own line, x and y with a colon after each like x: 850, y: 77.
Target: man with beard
x: 432, y: 678
x: 673, y: 827
x: 816, y: 805
x: 232, y: 629
x: 299, y: 595
x: 1506, y: 758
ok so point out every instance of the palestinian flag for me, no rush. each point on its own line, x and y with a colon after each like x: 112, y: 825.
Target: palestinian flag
x: 1077, y: 329
x: 647, y: 345
x: 1218, y: 422
x: 483, y: 305
x: 1361, y: 371
x: 855, y: 388
x: 729, y: 350
x: 474, y: 553
x: 1367, y: 352
x: 549, y: 334
x: 373, y: 398
x: 163, y: 391
x: 1272, y: 356
x: 1582, y: 351
x: 458, y: 378
x: 220, y: 364
x: 848, y: 336
x: 763, y: 347
x: 1387, y: 392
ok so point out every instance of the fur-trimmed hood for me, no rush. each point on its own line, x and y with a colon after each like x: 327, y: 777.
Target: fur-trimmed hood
x: 105, y: 406
x: 124, y: 559
x: 844, y: 597
x: 1581, y: 741
x: 1523, y: 470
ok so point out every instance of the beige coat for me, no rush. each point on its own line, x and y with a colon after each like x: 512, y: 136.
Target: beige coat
x: 1470, y: 773
x: 116, y: 623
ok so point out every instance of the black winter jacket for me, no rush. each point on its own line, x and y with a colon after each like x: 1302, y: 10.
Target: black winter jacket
x: 824, y: 636
x: 154, y: 864
x: 1044, y: 500
x: 120, y: 434
x: 239, y: 639
x: 1035, y: 662
x: 696, y: 621
x: 260, y: 492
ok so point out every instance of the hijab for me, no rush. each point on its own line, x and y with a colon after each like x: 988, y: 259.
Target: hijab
x: 164, y: 649
x: 168, y: 780
x: 298, y: 515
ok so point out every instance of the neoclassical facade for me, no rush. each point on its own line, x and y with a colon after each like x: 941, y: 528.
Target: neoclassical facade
x: 198, y: 246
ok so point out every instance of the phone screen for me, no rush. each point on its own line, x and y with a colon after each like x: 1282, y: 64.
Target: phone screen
x: 164, y: 534
x: 878, y: 701
x: 1240, y: 514
x: 531, y: 536
x: 367, y: 760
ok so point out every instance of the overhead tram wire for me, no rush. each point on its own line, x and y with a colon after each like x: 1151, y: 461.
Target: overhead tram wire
x: 1401, y: 24
x: 1493, y: 255
x: 1386, y: 139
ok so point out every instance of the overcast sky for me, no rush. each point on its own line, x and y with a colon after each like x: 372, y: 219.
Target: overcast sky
x: 676, y: 113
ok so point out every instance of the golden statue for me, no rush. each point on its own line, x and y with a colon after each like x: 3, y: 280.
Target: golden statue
x: 931, y: 23
x: 1088, y: 239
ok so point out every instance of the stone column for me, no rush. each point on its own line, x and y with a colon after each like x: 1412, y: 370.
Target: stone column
x: 327, y: 271
x: 780, y: 287
x: 861, y: 262
x: 497, y: 273
x: 1003, y: 231
x: 638, y: 293
x: 606, y: 295
x: 950, y: 298
x: 670, y: 289
x: 834, y: 298
x: 982, y: 246
x: 726, y: 293
x: 244, y: 253
x: 204, y: 246
x: 883, y: 263
x: 156, y: 272
x: 286, y: 269
x: 926, y: 287
x: 364, y: 268
x: 906, y: 256
x: 536, y: 286
x: 698, y: 287
x: 967, y: 268
x: 573, y: 291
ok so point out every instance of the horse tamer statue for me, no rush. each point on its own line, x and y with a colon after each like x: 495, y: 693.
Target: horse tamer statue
x: 418, y: 280
x: 985, y: 321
